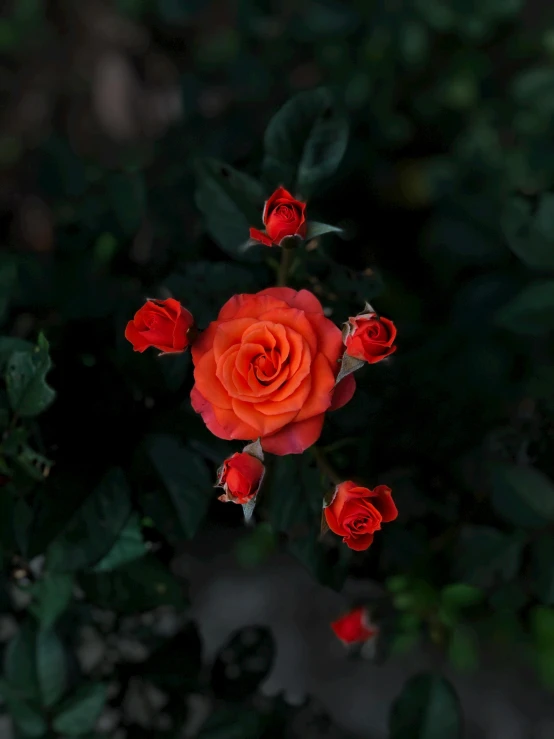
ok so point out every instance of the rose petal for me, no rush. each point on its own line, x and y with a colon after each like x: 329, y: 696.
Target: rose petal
x: 248, y: 306
x: 257, y: 235
x: 384, y: 503
x: 295, y: 438
x: 221, y: 422
x: 343, y: 392
x: 359, y: 543
x: 208, y: 384
x: 301, y: 299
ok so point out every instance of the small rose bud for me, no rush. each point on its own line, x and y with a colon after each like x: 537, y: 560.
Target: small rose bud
x: 369, y: 337
x: 240, y: 476
x: 162, y: 324
x: 284, y: 221
x: 356, y: 513
x: 355, y: 627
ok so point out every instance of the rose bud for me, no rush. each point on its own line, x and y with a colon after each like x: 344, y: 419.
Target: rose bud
x: 354, y: 627
x: 356, y: 513
x: 240, y: 476
x: 369, y: 337
x: 163, y: 324
x: 283, y: 218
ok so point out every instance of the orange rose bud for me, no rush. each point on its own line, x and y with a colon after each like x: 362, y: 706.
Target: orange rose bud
x: 283, y: 218
x: 240, y: 476
x: 163, y: 324
x: 369, y: 337
x: 354, y: 627
x: 356, y: 513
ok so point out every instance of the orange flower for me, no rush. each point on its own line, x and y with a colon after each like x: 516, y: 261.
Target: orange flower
x: 267, y: 367
x: 356, y: 513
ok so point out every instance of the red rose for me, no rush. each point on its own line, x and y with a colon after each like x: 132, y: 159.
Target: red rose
x: 163, y: 324
x: 369, y: 337
x: 283, y: 217
x: 356, y: 513
x: 266, y: 369
x: 240, y: 476
x: 354, y: 627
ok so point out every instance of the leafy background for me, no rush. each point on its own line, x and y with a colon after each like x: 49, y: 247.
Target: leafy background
x: 133, y: 161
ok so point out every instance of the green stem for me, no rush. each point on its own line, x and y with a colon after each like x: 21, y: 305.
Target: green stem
x: 286, y: 259
x: 325, y: 466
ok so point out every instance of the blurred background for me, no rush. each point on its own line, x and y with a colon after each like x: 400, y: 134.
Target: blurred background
x: 205, y: 627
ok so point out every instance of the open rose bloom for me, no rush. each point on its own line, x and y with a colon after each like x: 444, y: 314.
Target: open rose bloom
x: 266, y: 368
x: 356, y: 513
x: 283, y: 218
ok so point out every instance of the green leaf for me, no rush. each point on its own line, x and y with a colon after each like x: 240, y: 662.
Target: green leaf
x: 485, y: 556
x: 141, y: 585
x: 542, y: 568
x: 26, y: 716
x: 304, y: 142
x: 128, y: 546
x: 231, y: 202
x: 20, y: 663
x: 186, y: 478
x: 94, y: 528
x: 35, y: 465
x: 427, y: 708
x: 80, y: 713
x: 51, y: 667
x: 531, y: 237
x: 522, y: 495
x: 316, y: 229
x: 9, y: 345
x: 463, y: 649
x: 52, y: 596
x: 531, y: 311
x: 28, y: 392
x: 461, y: 595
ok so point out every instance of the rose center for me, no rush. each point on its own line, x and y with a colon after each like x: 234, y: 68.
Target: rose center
x: 152, y: 320
x: 267, y: 366
x: 285, y: 212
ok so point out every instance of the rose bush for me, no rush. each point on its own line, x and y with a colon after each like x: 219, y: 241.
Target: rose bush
x: 283, y: 217
x: 266, y: 369
x: 356, y: 513
x: 162, y: 324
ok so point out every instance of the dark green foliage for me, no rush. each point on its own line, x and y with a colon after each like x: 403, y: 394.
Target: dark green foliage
x: 427, y: 708
x: 419, y: 136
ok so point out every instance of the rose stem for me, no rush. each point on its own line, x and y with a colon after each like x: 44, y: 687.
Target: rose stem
x: 284, y: 266
x: 325, y: 466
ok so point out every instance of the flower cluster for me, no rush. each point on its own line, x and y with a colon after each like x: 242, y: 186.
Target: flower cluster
x: 269, y: 368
